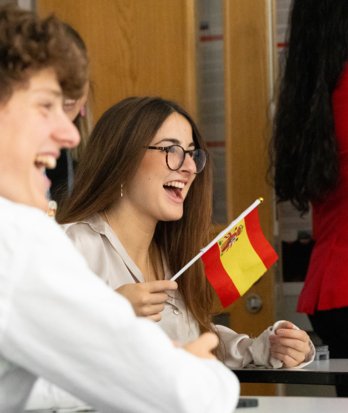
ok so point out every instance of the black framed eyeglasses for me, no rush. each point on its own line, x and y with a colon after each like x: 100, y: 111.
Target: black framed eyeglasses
x: 175, y: 156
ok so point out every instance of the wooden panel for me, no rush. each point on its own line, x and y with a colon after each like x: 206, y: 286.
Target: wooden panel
x: 139, y: 47
x: 247, y: 100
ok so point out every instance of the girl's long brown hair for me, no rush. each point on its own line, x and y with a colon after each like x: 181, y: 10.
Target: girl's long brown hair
x: 111, y: 158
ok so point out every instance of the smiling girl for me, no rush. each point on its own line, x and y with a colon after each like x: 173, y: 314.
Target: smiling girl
x: 141, y: 209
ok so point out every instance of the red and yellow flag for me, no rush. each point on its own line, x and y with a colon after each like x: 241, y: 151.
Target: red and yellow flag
x: 238, y: 259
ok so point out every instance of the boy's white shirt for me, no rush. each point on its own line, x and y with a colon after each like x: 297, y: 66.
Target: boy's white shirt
x: 58, y: 320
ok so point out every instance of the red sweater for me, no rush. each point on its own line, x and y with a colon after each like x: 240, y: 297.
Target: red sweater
x: 326, y: 284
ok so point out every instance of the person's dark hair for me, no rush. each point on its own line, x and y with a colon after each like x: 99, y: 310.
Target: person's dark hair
x: 304, y: 149
x: 29, y: 44
x: 112, y: 157
x: 82, y: 122
x: 75, y: 36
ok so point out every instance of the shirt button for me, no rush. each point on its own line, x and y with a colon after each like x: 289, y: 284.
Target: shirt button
x: 176, y: 312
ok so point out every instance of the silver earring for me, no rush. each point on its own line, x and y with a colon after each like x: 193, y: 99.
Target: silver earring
x: 121, y: 191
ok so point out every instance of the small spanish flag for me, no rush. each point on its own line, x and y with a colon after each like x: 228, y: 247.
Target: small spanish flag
x: 238, y: 258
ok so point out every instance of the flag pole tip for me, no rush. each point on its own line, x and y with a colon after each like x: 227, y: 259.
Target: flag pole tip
x: 261, y: 199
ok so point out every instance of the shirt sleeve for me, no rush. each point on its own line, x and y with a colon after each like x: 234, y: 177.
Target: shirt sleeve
x: 59, y: 321
x: 240, y: 350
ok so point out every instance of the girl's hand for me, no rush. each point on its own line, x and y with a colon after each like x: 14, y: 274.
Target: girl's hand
x: 203, y: 346
x: 148, y: 298
x: 290, y: 345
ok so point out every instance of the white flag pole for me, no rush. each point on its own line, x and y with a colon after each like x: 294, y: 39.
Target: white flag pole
x: 220, y: 235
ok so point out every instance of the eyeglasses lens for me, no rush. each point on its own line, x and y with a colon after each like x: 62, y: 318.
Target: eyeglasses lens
x: 200, y: 159
x: 176, y: 157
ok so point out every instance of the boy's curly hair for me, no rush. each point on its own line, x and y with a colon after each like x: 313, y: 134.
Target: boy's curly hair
x: 29, y: 44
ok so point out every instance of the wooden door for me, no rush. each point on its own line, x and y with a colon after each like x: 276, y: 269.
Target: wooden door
x: 248, y: 39
x: 137, y: 47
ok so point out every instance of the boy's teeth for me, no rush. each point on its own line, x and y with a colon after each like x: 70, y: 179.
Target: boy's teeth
x: 46, y: 161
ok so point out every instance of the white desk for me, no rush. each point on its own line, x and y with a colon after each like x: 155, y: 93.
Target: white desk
x: 274, y: 404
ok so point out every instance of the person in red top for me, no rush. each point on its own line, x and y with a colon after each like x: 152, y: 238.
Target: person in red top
x: 310, y: 158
